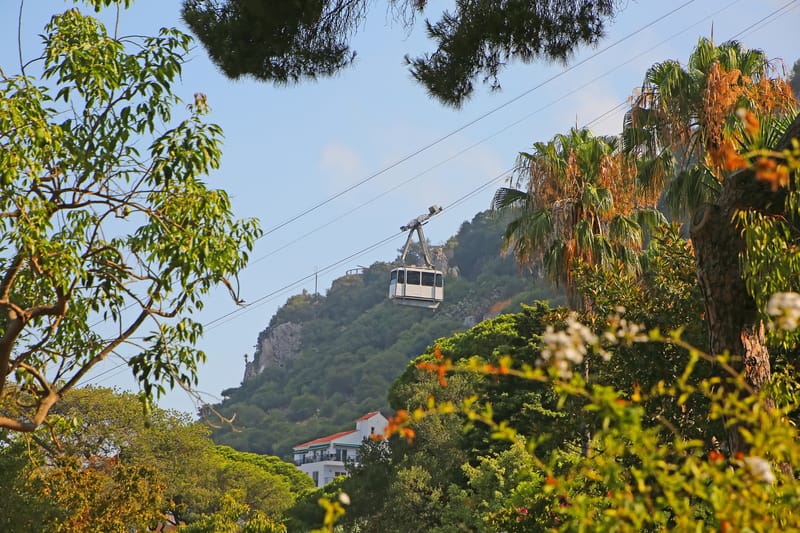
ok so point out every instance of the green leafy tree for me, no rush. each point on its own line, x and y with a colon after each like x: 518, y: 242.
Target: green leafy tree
x: 664, y: 296
x: 474, y: 481
x: 100, y: 495
x: 424, y: 485
x: 642, y: 473
x: 506, y: 491
x: 228, y: 519
x: 298, y: 480
x: 106, y: 465
x: 67, y: 484
x: 108, y: 230
x: 286, y: 42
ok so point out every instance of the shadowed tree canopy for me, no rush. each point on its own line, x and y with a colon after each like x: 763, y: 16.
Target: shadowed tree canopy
x: 794, y: 79
x: 289, y: 41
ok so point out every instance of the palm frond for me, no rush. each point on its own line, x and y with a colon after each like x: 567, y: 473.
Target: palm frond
x: 629, y: 258
x: 690, y: 189
x: 649, y: 220
x: 625, y: 231
x: 507, y: 197
x: 555, y: 261
x: 529, y: 235
x: 653, y: 174
x: 602, y: 250
x: 584, y: 239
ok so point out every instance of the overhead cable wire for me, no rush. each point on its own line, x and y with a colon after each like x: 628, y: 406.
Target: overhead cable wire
x: 495, y: 134
x: 492, y: 135
x: 773, y: 14
x: 215, y: 322
x: 257, y: 303
x: 439, y: 140
x: 477, y: 119
x: 277, y: 292
x: 614, y: 109
x: 99, y: 377
x: 461, y: 128
x: 274, y: 294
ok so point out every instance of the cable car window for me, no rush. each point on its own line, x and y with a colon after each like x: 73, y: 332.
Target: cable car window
x: 427, y: 279
x: 393, y: 276
x: 439, y: 280
x: 412, y: 277
x: 401, y: 276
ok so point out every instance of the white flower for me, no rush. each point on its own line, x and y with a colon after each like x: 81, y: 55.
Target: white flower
x: 564, y: 349
x: 576, y: 329
x: 631, y: 331
x: 344, y: 498
x: 620, y: 330
x: 760, y: 469
x: 785, y: 307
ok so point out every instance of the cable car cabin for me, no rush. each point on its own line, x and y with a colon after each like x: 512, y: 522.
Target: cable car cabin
x: 417, y: 286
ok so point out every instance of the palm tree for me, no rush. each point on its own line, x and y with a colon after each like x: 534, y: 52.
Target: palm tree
x: 681, y: 117
x: 684, y: 129
x: 579, y: 202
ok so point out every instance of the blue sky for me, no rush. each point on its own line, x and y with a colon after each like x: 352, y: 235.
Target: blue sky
x: 288, y: 149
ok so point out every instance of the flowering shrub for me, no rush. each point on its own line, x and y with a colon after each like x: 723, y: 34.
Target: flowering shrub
x: 640, y: 472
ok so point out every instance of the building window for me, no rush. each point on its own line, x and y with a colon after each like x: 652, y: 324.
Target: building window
x: 315, y: 477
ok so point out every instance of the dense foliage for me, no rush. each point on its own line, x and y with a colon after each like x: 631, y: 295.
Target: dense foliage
x: 355, y: 343
x: 579, y: 201
x: 619, y: 418
x: 455, y: 474
x: 105, y: 218
x: 105, y: 467
x: 499, y: 429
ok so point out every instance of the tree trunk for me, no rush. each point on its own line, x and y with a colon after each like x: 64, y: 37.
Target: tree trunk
x: 731, y: 313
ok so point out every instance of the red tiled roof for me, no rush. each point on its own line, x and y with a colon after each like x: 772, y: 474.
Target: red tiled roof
x: 323, y: 440
x: 368, y: 416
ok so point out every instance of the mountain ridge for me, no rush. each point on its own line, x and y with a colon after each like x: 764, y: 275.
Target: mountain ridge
x: 325, y: 360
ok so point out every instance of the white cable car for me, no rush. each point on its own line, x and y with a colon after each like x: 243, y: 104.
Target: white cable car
x: 418, y: 286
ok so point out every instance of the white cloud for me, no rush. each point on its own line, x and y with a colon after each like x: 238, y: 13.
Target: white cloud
x: 341, y: 163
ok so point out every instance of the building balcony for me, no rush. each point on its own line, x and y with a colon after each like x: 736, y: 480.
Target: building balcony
x: 307, y: 459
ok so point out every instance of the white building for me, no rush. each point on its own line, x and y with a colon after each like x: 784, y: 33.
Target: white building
x: 324, y: 458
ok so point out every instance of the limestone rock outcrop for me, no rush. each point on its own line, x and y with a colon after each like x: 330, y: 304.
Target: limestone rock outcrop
x: 276, y: 346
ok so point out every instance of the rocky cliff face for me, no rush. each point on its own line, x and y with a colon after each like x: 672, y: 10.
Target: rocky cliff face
x: 441, y: 260
x: 277, y: 345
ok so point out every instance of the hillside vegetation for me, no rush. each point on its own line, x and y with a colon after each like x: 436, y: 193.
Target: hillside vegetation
x: 354, y: 343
